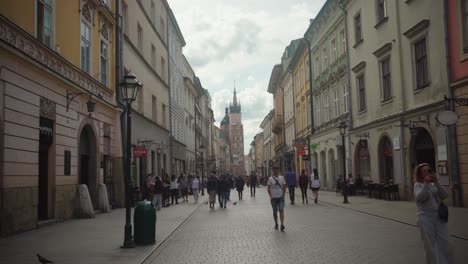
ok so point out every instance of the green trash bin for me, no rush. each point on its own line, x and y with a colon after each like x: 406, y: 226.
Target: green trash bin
x: 144, y: 222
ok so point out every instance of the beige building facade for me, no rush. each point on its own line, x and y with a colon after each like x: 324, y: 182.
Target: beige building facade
x: 51, y: 141
x: 396, y: 50
x: 330, y: 95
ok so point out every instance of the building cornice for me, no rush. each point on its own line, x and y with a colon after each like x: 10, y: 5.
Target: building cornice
x: 26, y: 44
x: 419, y: 27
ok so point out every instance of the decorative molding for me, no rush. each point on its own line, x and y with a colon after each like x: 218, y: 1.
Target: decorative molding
x: 383, y: 50
x: 359, y: 67
x: 32, y: 48
x: 47, y: 108
x: 416, y: 29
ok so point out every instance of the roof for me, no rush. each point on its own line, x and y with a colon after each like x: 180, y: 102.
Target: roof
x: 274, y: 78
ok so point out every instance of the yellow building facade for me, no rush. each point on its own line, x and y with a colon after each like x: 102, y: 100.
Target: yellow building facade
x: 58, y: 117
x: 302, y: 111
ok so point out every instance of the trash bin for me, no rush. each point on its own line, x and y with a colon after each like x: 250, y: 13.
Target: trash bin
x: 144, y: 222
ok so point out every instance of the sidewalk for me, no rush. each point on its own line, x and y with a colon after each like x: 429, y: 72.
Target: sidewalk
x: 401, y: 211
x: 95, y: 240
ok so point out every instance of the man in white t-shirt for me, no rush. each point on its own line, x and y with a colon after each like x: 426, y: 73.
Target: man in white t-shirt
x: 276, y: 190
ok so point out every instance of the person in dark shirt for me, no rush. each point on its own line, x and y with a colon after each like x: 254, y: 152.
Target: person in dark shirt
x: 253, y: 183
x: 240, y: 186
x: 212, y: 188
x: 303, y: 183
x: 292, y: 183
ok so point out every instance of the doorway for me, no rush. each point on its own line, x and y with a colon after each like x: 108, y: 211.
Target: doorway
x: 423, y: 150
x: 87, y: 163
x: 45, y: 141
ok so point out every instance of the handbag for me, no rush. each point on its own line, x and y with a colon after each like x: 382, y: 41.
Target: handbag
x: 443, y: 210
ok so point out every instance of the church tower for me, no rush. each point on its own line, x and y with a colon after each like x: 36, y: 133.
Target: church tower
x: 236, y: 136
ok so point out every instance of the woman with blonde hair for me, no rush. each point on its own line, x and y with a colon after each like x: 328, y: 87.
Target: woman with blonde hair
x: 429, y: 195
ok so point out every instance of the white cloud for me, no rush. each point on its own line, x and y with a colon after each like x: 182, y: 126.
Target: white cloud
x: 240, y: 41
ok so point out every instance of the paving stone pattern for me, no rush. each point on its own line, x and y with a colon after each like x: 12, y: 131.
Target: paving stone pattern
x: 315, y: 233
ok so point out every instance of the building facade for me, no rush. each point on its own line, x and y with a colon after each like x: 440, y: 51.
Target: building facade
x: 327, y: 38
x: 259, y: 165
x: 145, y: 53
x: 59, y: 119
x: 396, y: 49
x: 190, y: 108
x: 457, y: 29
x: 177, y: 96
x: 267, y: 144
x: 277, y: 124
x: 299, y: 67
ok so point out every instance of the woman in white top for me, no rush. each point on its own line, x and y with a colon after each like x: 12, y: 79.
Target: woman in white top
x: 315, y: 184
x: 174, y: 190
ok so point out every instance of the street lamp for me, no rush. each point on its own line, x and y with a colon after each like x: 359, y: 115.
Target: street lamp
x: 202, y: 147
x: 342, y: 126
x: 129, y: 89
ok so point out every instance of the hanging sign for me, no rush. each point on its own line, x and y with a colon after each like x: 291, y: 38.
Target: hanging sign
x: 139, y: 152
x: 301, y: 152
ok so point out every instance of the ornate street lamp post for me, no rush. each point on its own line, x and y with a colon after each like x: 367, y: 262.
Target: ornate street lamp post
x: 129, y: 89
x: 202, y: 147
x: 342, y: 126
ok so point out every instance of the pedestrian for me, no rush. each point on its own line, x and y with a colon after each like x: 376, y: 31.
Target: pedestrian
x: 148, y: 191
x: 183, y: 186
x: 315, y: 184
x: 429, y: 194
x: 303, y: 183
x: 195, y: 185
x: 253, y: 184
x: 240, y: 186
x: 224, y: 188
x: 292, y: 183
x: 276, y: 190
x: 158, y: 192
x: 166, y: 191
x: 212, y: 188
x: 174, y: 190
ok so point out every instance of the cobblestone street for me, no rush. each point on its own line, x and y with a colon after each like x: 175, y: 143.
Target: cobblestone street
x: 315, y: 233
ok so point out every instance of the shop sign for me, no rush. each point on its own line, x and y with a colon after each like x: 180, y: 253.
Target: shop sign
x: 139, y: 152
x: 314, y: 146
x: 306, y: 157
x: 299, y: 143
x: 301, y: 152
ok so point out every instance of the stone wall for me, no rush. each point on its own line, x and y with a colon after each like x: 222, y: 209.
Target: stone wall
x: 19, y: 210
x: 65, y: 202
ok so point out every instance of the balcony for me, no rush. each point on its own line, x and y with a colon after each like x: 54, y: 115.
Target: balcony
x: 277, y: 124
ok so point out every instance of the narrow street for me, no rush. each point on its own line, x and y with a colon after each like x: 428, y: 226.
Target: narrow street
x: 315, y: 233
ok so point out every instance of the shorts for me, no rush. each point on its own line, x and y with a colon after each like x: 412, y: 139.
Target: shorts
x: 315, y: 189
x: 277, y: 204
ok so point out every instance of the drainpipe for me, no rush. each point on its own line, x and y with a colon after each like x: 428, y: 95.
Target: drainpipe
x: 405, y: 180
x: 348, y: 68
x: 452, y: 144
x: 170, y: 101
x: 311, y: 103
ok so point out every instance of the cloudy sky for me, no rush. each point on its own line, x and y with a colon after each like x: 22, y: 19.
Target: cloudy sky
x: 241, y: 41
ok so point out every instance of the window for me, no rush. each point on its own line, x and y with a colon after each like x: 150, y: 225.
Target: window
x: 357, y: 28
x: 464, y: 26
x: 164, y: 115
x: 316, y: 67
x: 85, y: 44
x: 153, y: 56
x: 153, y: 13
x: 104, y: 52
x: 386, y: 79
x: 163, y: 68
x: 381, y: 9
x: 163, y: 28
x: 307, y: 68
x: 104, y: 62
x: 334, y: 50
x: 140, y: 38
x: 44, y: 22
x: 124, y: 17
x: 324, y: 58
x: 317, y: 110
x: 336, y: 106
x: 343, y: 41
x: 345, y: 98
x: 154, y: 106
x: 362, y: 93
x: 420, y: 53
x: 326, y: 107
